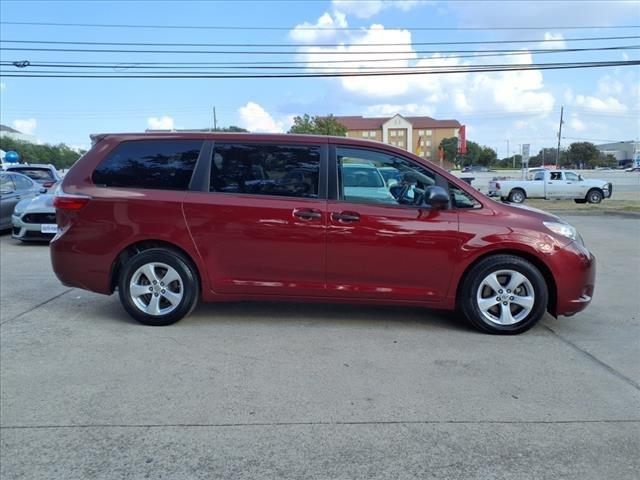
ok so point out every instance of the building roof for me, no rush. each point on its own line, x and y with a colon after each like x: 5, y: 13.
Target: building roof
x: 353, y: 122
x: 4, y: 128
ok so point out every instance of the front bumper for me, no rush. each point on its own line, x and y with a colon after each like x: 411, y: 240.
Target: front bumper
x: 575, y: 279
x: 25, y: 230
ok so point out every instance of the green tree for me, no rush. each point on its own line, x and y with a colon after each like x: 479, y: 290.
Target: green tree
x: 318, y: 125
x: 488, y: 156
x: 472, y: 155
x: 231, y: 128
x: 583, y: 154
x: 450, y: 147
x: 60, y: 156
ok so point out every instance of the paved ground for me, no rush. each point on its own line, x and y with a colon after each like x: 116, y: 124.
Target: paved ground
x: 317, y: 391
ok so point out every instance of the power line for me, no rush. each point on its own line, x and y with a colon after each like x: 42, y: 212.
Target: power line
x: 431, y: 71
x: 137, y: 64
x: 311, y: 28
x: 255, y: 52
x: 134, y: 66
x: 311, y: 45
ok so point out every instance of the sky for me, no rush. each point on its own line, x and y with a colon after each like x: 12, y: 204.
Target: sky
x: 499, y: 109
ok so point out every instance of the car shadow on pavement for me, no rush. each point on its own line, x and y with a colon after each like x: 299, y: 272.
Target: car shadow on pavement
x: 326, y: 314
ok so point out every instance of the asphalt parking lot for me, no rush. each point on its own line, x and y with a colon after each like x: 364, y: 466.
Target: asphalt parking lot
x: 260, y: 390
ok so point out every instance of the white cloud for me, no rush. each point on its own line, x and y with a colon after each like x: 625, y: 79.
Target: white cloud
x: 576, y: 124
x: 26, y: 126
x: 256, y: 119
x: 553, y: 41
x: 596, y: 103
x: 511, y: 91
x: 369, y: 8
x: 323, y: 29
x: 160, y: 123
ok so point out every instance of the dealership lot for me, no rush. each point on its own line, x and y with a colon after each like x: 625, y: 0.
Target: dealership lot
x: 279, y: 390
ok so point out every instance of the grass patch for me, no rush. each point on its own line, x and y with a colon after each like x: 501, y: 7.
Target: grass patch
x: 606, y: 206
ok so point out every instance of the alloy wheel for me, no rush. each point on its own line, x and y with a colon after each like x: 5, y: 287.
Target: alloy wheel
x: 156, y: 288
x: 505, y: 297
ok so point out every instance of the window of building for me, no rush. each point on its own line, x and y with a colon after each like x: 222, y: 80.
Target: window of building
x: 422, y: 143
x: 428, y: 153
x: 428, y: 143
x: 421, y: 132
x: 393, y: 133
x: 401, y: 133
x: 429, y: 133
x: 372, y: 133
x: 365, y: 134
x: 362, y: 175
x: 260, y: 169
x: 156, y: 164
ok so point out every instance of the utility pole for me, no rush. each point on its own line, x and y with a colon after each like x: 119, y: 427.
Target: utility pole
x: 507, y: 151
x: 215, y: 122
x: 559, y: 137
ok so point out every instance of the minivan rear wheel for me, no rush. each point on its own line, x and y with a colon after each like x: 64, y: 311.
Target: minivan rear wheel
x: 504, y: 294
x: 158, y: 287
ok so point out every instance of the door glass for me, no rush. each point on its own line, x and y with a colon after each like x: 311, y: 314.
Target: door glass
x: 22, y: 183
x: 6, y: 185
x: 262, y: 169
x: 367, y: 176
x: 571, y: 177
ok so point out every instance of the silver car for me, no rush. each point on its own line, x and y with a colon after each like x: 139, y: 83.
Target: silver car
x: 34, y: 219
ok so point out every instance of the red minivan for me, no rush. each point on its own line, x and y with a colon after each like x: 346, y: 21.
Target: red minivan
x: 168, y: 219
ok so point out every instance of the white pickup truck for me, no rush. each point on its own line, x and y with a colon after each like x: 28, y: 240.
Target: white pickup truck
x: 548, y: 184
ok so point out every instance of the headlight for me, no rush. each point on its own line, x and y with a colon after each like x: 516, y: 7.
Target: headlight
x: 565, y: 230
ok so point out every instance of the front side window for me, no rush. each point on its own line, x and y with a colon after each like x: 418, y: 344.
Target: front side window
x: 539, y: 176
x: 571, y: 177
x: 261, y: 169
x: 461, y: 199
x: 367, y: 176
x: 156, y: 164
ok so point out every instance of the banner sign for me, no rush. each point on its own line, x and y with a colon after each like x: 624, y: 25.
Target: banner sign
x: 462, y: 140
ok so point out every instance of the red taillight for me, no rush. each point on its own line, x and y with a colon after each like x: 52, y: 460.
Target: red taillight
x: 70, y: 202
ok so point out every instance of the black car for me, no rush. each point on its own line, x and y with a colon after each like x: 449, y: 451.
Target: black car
x: 476, y: 168
x: 13, y: 188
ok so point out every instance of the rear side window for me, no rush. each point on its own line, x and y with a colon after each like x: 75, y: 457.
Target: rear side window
x: 262, y: 169
x: 6, y: 184
x: 22, y: 183
x: 156, y: 164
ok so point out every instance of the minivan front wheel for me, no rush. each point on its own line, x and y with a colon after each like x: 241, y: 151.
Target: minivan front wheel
x: 504, y: 294
x: 158, y: 287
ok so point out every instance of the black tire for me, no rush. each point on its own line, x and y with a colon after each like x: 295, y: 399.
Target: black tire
x: 188, y: 286
x: 517, y: 195
x: 594, y: 196
x: 468, y: 302
x: 580, y: 200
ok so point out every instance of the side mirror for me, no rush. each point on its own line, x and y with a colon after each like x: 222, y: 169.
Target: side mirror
x: 436, y: 197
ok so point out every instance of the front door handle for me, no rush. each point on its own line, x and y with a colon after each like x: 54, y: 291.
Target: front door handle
x: 345, y: 217
x: 306, y: 214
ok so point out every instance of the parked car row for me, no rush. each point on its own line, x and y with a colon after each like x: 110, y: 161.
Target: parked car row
x: 25, y: 205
